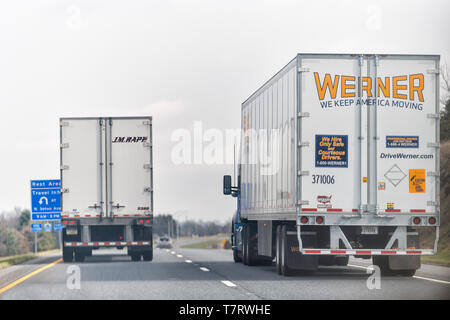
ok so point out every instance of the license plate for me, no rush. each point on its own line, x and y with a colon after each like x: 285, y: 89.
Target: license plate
x: 369, y: 230
x: 71, y: 231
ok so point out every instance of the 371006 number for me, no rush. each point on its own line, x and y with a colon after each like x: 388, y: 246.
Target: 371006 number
x: 322, y: 179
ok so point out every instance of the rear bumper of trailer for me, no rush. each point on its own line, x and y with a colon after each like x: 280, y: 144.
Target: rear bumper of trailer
x: 371, y: 252
x: 108, y: 244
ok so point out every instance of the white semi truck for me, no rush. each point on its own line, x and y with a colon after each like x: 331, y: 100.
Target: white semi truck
x: 339, y: 157
x: 106, y: 185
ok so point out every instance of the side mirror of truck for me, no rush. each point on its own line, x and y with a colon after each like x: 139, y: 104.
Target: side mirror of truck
x: 227, y: 185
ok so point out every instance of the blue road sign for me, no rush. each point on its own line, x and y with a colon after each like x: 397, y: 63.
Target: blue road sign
x: 45, y: 200
x: 48, y: 227
x: 57, y: 226
x: 36, y: 227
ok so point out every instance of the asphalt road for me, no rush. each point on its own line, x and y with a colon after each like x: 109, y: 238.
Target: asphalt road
x: 207, y: 274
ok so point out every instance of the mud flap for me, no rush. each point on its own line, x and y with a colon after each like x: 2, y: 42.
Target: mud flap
x: 297, y: 260
x: 404, y: 262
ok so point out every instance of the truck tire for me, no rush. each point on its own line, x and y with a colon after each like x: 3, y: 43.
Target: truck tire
x: 236, y: 256
x: 278, y: 250
x: 135, y: 256
x: 250, y: 258
x: 341, y: 261
x: 382, y: 263
x: 265, y: 261
x: 284, y: 269
x: 79, y: 256
x: 244, y: 246
x: 147, y: 255
x: 406, y: 273
x: 67, y: 254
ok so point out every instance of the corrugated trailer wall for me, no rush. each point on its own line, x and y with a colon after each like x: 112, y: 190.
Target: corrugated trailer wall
x: 268, y: 153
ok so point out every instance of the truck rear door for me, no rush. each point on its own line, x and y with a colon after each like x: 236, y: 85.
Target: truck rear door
x: 332, y: 154
x: 407, y: 134
x: 130, y: 179
x: 81, y: 167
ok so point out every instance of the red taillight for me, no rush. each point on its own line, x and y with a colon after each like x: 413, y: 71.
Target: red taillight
x: 416, y: 220
x: 304, y: 219
x: 65, y: 222
x: 72, y: 222
x: 432, y: 220
x: 147, y: 221
x: 141, y: 221
x: 319, y: 220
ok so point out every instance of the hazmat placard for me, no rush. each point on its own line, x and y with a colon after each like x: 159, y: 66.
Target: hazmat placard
x: 417, y: 180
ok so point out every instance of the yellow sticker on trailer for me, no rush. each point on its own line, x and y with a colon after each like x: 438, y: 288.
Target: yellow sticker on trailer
x: 416, y: 180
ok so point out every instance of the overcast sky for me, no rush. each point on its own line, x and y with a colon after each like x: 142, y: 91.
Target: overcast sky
x: 178, y: 61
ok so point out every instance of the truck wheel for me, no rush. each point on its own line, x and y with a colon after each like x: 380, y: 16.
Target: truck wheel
x: 278, y: 250
x: 147, y: 255
x: 245, y: 245
x: 135, y: 256
x: 249, y: 246
x: 284, y: 269
x: 79, y: 256
x: 67, y: 254
x: 265, y: 261
x: 383, y: 263
x: 341, y: 261
x: 406, y: 273
x: 236, y: 256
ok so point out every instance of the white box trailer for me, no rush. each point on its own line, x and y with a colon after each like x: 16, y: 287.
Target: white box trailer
x: 340, y: 156
x: 106, y: 185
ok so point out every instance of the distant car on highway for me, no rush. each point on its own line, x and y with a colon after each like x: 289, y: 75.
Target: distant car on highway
x: 164, y: 242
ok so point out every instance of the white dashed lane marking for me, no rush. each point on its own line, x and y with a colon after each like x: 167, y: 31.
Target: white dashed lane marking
x: 225, y: 282
x: 228, y: 283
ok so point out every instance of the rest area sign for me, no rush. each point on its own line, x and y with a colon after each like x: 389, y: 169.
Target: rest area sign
x: 45, y: 200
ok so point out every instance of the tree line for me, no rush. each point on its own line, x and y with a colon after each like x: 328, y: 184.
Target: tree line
x: 166, y: 224
x: 16, y: 237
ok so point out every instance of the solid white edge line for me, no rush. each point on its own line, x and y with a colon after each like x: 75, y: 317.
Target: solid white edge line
x: 417, y: 277
x: 228, y: 283
x: 431, y: 279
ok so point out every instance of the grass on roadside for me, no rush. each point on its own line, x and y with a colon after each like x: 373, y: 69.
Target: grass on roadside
x: 441, y: 259
x: 12, y: 260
